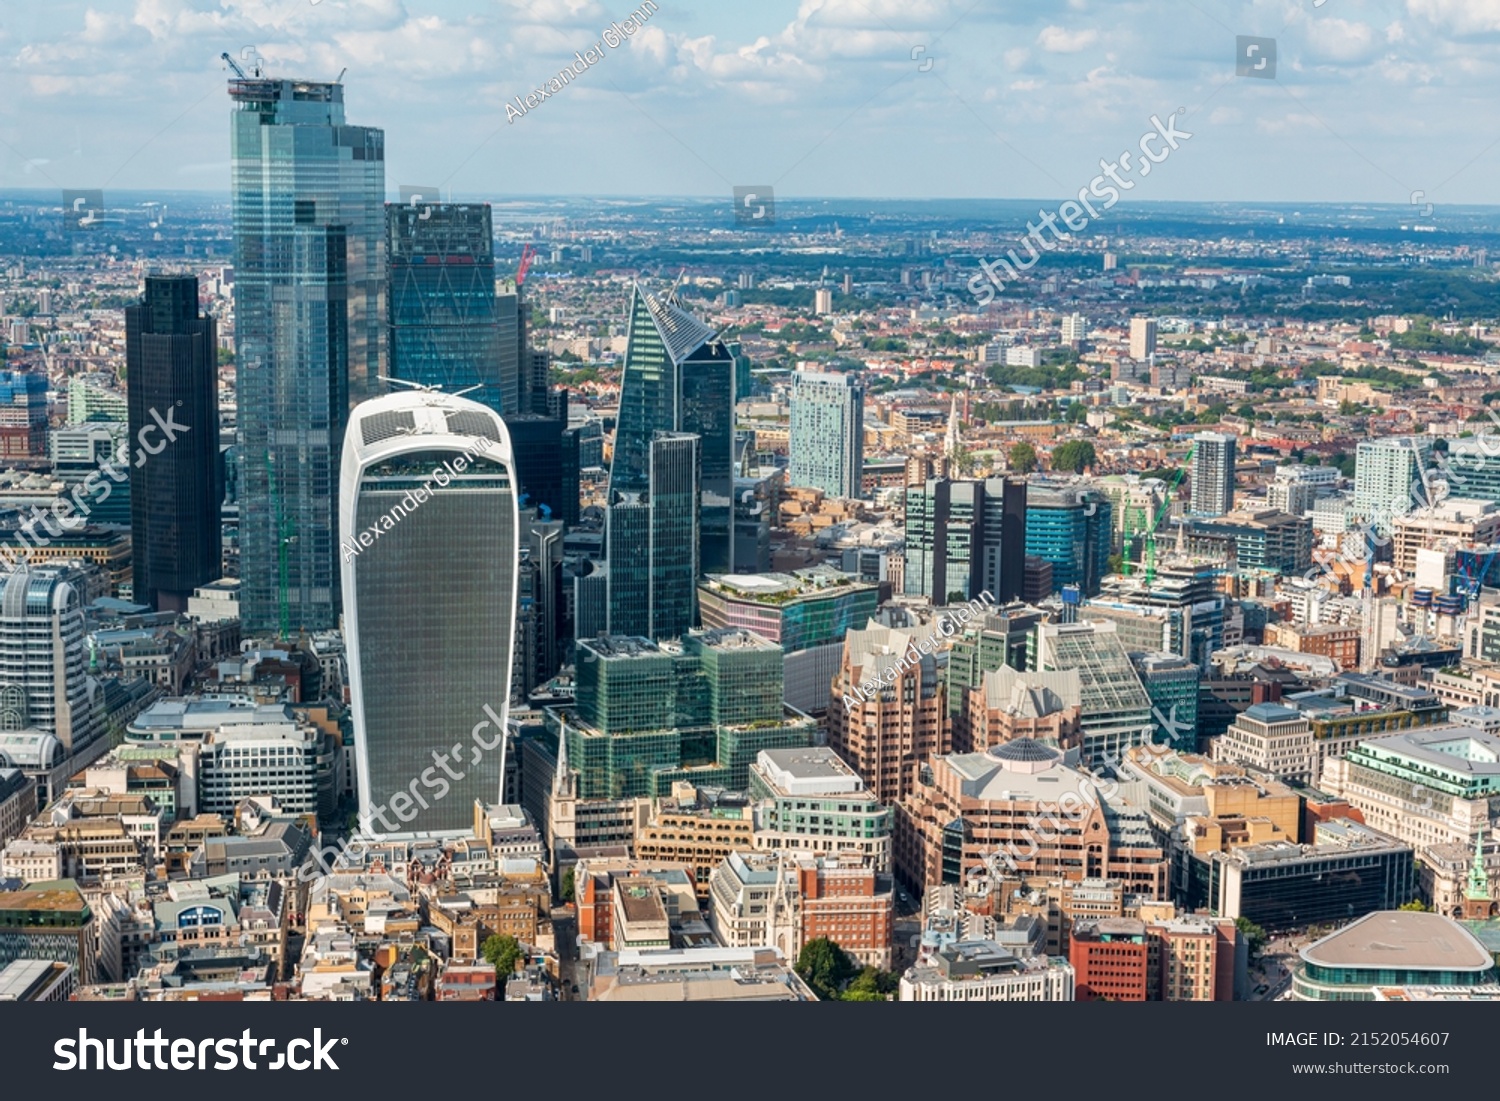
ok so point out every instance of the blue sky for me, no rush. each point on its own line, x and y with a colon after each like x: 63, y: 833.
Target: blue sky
x: 1373, y: 100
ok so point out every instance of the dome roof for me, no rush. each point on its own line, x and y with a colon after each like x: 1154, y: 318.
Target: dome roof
x: 1024, y: 749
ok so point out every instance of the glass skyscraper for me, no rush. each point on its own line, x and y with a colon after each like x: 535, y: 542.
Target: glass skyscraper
x: 171, y: 354
x: 699, y: 709
x: 1072, y: 529
x: 308, y: 195
x: 678, y: 382
x: 653, y: 544
x: 827, y: 433
x: 444, y: 315
x: 429, y: 543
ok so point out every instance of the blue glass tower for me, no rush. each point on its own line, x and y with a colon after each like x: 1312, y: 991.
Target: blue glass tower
x: 308, y: 196
x: 1070, y: 528
x: 444, y: 315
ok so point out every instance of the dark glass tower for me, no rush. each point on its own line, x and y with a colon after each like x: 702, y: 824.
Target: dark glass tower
x: 430, y: 555
x: 653, y: 545
x: 171, y: 356
x: 308, y: 195
x: 447, y: 327
x: 679, y: 380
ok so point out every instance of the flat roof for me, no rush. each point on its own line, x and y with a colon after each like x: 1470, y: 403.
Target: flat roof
x: 1401, y: 940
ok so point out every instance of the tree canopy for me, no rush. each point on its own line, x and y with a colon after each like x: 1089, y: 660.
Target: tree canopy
x: 1075, y: 456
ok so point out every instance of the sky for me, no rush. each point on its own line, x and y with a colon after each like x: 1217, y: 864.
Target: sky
x: 1372, y: 101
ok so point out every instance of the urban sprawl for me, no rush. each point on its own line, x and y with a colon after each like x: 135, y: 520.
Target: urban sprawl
x: 800, y: 612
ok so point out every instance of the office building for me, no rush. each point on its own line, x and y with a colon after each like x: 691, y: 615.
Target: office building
x: 23, y: 414
x: 290, y: 761
x: 37, y: 981
x: 82, y: 457
x: 546, y: 451
x: 648, y: 714
x: 96, y: 396
x: 17, y: 802
x: 984, y: 971
x: 1427, y: 786
x: 1386, y: 949
x: 176, y: 484
x: 1213, y: 474
x: 1002, y: 636
x: 980, y: 810
x: 1115, y: 711
x: 1009, y: 704
x: 1142, y: 337
x: 822, y: 301
x: 956, y: 544
x: 49, y: 921
x: 653, y: 544
x: 1267, y: 541
x: 810, y: 801
x: 887, y: 713
x: 1167, y: 959
x: 443, y: 315
x: 1348, y: 870
x: 1451, y: 522
x: 827, y: 432
x: 1390, y: 478
x: 1071, y: 529
x: 1171, y: 684
x: 678, y: 378
x: 543, y: 626
x: 1275, y: 739
x: 46, y: 695
x: 308, y: 196
x: 807, y: 612
x: 429, y: 541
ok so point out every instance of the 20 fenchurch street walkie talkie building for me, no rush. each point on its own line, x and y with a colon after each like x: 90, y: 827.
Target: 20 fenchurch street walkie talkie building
x: 429, y: 550
x: 309, y: 263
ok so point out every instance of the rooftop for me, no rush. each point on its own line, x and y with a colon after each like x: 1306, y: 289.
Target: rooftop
x: 1393, y: 940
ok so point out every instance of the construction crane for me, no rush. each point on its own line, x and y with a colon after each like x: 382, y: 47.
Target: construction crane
x: 527, y: 254
x: 1150, y: 533
x: 257, y: 65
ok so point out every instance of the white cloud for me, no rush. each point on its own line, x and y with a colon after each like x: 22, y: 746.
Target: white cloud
x: 1459, y: 16
x: 1060, y: 40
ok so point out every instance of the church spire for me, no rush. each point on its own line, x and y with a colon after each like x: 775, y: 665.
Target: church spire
x: 1479, y: 879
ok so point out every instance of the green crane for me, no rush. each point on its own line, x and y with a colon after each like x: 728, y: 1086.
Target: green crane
x: 1150, y: 533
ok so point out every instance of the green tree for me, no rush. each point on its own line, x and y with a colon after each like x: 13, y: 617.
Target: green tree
x: 825, y: 967
x: 566, y: 887
x: 870, y: 985
x: 502, y: 950
x: 1254, y: 935
x: 1075, y: 456
x: 1023, y: 458
x: 1415, y: 904
x: 1077, y: 413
